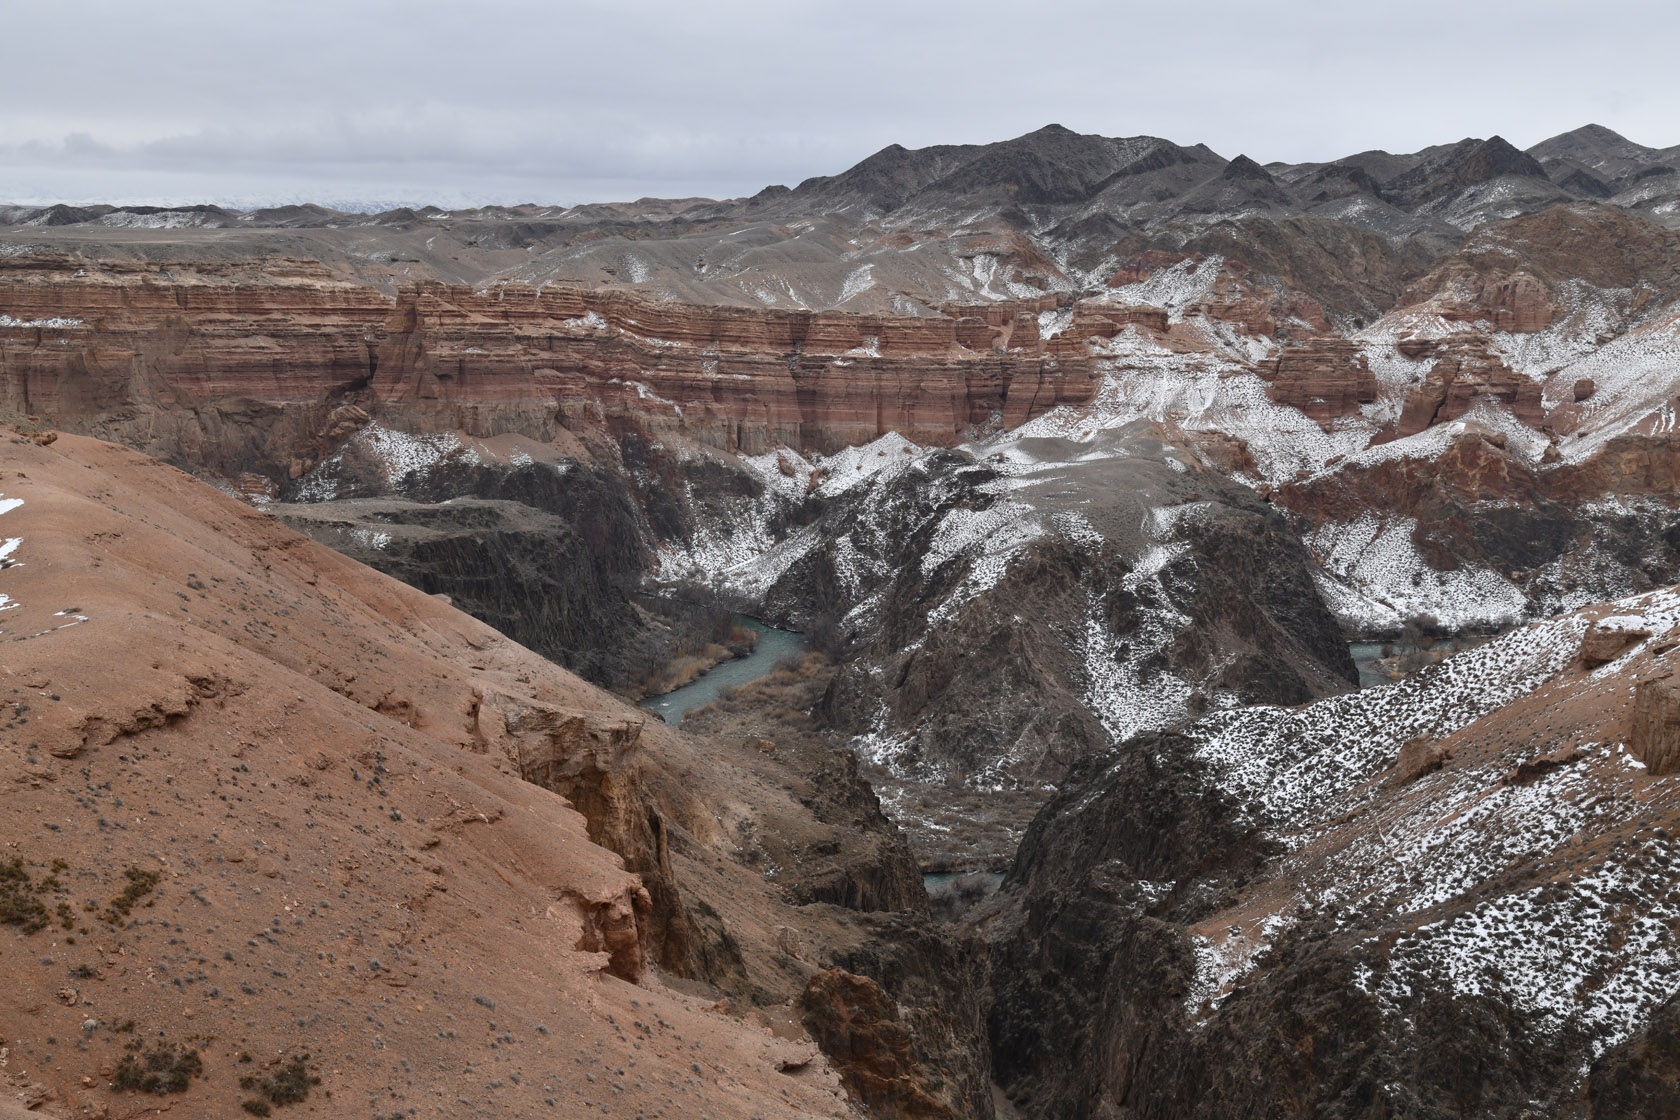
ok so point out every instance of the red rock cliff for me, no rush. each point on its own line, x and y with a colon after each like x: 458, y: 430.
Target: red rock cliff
x: 251, y: 365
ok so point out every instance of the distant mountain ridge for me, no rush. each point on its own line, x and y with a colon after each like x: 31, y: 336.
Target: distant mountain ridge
x: 1055, y: 166
x: 1148, y: 181
x: 907, y: 231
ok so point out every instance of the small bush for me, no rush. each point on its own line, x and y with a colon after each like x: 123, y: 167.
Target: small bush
x: 165, y: 1068
x: 140, y: 884
x: 288, y: 1085
x: 18, y: 904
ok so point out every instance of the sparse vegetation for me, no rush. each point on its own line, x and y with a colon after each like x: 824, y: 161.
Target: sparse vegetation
x: 290, y: 1084
x: 18, y: 904
x: 140, y: 884
x: 166, y: 1068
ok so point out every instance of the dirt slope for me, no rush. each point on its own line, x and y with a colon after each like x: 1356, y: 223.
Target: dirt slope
x: 262, y: 782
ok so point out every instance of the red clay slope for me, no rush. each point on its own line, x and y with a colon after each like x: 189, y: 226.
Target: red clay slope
x: 252, y: 773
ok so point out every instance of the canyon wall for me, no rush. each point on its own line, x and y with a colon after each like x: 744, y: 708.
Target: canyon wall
x: 266, y: 366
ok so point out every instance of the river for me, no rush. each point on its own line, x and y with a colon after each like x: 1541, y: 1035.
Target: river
x: 1368, y: 656
x: 773, y: 645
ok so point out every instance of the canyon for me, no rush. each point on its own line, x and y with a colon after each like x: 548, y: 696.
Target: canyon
x: 1078, y: 460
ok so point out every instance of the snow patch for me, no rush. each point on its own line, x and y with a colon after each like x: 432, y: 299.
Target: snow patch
x: 1174, y: 288
x: 57, y: 322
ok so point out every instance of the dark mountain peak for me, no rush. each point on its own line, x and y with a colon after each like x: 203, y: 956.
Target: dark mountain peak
x: 1051, y: 165
x: 1244, y: 168
x: 1588, y: 136
x: 1497, y: 156
x: 1452, y: 168
x: 893, y: 155
x: 1599, y: 134
x: 885, y: 179
x: 1605, y: 153
x: 401, y: 215
x: 1338, y: 180
x: 1057, y: 142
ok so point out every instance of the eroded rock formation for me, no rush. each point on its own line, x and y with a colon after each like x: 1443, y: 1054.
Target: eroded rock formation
x: 1654, y: 730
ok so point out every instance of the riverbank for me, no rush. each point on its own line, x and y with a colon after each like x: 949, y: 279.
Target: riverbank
x: 707, y: 680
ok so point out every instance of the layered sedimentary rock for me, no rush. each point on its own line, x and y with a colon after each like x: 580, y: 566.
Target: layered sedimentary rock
x: 1463, y: 371
x: 267, y: 368
x: 1325, y: 378
x: 1654, y: 725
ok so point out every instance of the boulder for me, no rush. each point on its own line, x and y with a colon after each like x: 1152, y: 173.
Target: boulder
x: 1419, y: 755
x: 1602, y: 644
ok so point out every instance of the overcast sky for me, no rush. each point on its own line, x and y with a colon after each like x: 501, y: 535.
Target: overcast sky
x: 573, y: 100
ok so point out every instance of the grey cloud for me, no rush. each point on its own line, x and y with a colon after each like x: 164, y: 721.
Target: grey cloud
x: 522, y: 100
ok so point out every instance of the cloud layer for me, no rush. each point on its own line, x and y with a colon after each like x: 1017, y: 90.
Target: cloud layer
x: 520, y: 100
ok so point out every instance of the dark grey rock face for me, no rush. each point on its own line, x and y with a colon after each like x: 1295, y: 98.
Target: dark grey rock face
x: 1094, y: 966
x: 1640, y: 1077
x: 1091, y: 962
x: 531, y: 574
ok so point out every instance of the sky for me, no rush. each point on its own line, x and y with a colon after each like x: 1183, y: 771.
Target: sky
x: 364, y: 102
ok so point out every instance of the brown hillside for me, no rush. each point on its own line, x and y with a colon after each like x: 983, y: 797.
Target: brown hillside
x: 262, y: 802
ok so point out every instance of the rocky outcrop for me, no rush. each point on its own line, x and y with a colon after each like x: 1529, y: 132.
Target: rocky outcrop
x: 1226, y: 921
x: 936, y: 978
x: 617, y: 928
x: 1518, y: 302
x: 1654, y: 727
x: 589, y: 758
x: 1324, y: 378
x: 1091, y: 963
x: 1419, y: 756
x: 1601, y: 245
x: 595, y: 761
x: 1602, y: 644
x: 858, y: 1025
x: 1465, y: 371
x: 535, y: 576
x: 1481, y: 505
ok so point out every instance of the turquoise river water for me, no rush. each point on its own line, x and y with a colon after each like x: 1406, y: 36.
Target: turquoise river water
x: 773, y: 645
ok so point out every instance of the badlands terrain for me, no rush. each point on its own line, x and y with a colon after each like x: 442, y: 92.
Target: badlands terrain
x: 1077, y: 461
